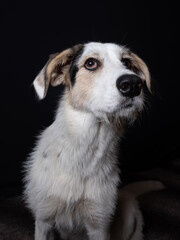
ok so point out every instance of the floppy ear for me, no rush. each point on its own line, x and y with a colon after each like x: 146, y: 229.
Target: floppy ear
x: 54, y: 72
x: 141, y: 69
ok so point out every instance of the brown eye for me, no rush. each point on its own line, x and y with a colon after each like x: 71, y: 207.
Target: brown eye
x: 91, y: 64
x: 126, y: 62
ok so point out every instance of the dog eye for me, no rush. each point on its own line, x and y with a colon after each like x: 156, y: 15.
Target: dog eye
x: 126, y: 62
x: 91, y: 64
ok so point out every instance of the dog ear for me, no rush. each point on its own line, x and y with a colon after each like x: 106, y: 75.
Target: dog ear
x: 142, y: 69
x: 55, y: 71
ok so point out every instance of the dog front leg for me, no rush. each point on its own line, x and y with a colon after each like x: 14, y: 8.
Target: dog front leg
x: 43, y: 230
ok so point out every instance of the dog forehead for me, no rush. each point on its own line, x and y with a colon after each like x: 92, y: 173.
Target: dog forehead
x: 103, y: 50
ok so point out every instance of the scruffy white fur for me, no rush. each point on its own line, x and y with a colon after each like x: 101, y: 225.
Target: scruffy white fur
x: 72, y: 174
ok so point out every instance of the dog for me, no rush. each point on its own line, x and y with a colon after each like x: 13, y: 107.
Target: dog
x: 72, y: 176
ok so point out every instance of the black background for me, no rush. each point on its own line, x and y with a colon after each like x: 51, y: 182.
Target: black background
x: 30, y: 31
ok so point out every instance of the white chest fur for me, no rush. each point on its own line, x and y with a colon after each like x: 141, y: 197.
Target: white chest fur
x: 74, y: 161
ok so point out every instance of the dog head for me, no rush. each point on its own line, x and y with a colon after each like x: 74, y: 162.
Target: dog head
x: 102, y: 78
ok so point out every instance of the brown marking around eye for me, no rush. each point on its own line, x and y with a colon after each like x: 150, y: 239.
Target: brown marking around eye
x: 82, y: 89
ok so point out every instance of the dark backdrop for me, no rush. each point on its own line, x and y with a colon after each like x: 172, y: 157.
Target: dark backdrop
x: 31, y: 31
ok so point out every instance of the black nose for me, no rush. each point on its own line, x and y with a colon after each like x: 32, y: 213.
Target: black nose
x: 129, y: 85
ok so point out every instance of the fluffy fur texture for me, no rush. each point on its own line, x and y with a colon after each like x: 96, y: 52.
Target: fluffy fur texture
x: 72, y: 174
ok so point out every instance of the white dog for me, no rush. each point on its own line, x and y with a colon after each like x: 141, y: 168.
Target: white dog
x: 72, y: 174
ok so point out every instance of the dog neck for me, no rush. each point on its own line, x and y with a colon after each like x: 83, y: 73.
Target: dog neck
x: 80, y: 124
x: 88, y: 141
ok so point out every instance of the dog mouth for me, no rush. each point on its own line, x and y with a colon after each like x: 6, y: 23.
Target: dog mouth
x: 131, y: 106
x: 129, y: 103
x: 125, y: 108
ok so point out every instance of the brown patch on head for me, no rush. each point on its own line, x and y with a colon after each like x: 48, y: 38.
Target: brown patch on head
x: 82, y: 88
x: 139, y: 67
x: 55, y: 71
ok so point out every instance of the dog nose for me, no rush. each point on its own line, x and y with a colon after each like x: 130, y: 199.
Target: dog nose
x: 129, y: 85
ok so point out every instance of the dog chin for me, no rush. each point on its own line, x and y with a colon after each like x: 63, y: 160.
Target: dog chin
x: 126, y: 110
x: 127, y: 113
x: 130, y: 111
